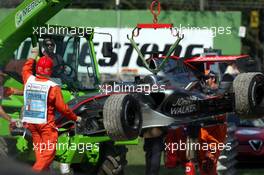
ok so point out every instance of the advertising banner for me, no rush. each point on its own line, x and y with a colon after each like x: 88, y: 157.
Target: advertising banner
x: 125, y: 56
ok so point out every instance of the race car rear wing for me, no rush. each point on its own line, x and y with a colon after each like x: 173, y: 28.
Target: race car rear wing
x: 215, y: 58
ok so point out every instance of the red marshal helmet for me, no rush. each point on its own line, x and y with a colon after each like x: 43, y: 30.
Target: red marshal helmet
x: 44, y: 66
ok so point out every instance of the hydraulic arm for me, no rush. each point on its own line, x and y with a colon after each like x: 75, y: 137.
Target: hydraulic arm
x: 18, y: 26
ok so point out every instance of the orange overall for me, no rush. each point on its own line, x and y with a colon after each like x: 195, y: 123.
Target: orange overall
x: 45, y: 135
x: 212, y: 136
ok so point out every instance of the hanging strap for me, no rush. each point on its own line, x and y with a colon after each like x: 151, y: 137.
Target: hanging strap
x: 171, y: 50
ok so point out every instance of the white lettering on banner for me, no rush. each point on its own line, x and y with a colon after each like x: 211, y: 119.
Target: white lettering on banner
x: 125, y: 56
x: 149, y: 40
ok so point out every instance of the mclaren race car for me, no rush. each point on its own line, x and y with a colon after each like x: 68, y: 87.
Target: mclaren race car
x: 176, y: 95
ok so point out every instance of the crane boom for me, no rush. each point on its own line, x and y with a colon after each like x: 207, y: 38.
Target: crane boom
x: 18, y: 26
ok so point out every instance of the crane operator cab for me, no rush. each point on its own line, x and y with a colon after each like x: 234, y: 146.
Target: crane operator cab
x: 75, y: 66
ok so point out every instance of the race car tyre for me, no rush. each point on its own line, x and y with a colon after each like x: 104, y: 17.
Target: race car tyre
x: 122, y: 117
x: 249, y: 93
x: 3, y: 149
x: 113, y: 159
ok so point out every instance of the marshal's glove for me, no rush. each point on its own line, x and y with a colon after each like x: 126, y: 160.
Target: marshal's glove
x: 34, y: 52
x: 16, y: 123
x: 78, y: 121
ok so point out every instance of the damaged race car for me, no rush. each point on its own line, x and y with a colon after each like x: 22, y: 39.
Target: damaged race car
x: 185, y: 99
